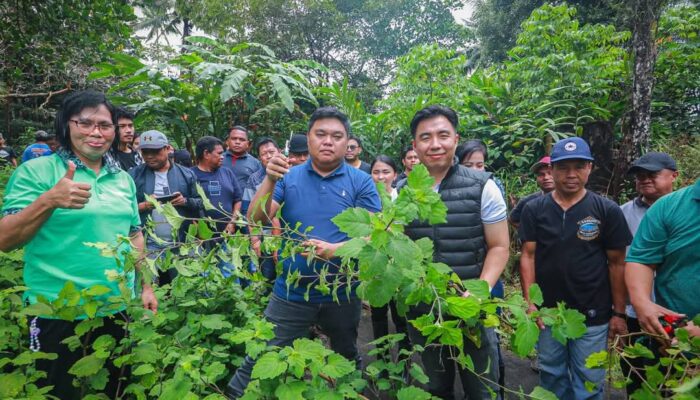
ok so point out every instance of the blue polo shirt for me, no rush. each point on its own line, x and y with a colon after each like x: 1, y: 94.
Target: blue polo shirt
x: 312, y: 200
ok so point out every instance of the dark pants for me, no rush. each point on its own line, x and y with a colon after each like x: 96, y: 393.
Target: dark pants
x: 439, y: 365
x: 53, y: 331
x: 380, y: 323
x: 292, y: 321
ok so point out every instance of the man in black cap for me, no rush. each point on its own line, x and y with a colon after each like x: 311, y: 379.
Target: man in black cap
x: 170, y: 183
x: 298, y: 150
x: 574, y: 248
x: 655, y: 174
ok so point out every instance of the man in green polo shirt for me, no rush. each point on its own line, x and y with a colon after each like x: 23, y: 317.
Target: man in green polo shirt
x: 667, y: 244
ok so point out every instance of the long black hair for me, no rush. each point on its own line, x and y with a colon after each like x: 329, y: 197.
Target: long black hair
x: 72, y: 105
x: 466, y: 149
x: 386, y: 160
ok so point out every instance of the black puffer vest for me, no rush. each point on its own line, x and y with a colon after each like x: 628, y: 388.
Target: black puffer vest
x: 460, y: 241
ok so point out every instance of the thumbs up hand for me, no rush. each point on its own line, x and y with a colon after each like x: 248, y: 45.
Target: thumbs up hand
x: 69, y: 194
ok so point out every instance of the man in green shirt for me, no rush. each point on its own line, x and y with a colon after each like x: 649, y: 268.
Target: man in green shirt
x: 667, y: 244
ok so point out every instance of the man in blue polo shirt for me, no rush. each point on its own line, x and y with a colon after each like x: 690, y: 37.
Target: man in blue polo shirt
x: 574, y: 247
x: 237, y: 158
x: 312, y: 194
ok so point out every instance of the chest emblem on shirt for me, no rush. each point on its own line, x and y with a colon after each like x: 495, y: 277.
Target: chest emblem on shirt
x: 588, y: 229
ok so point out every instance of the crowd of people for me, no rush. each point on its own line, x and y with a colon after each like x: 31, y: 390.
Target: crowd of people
x: 622, y: 267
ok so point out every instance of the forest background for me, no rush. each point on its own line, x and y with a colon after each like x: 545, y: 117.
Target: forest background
x: 623, y: 74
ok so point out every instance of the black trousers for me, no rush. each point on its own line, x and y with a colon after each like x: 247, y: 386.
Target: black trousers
x: 380, y: 323
x: 53, y: 331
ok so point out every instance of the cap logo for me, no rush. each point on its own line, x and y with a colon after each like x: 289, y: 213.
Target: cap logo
x: 571, y: 146
x: 148, y: 138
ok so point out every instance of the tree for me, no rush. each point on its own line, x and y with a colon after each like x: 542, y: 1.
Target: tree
x: 359, y: 40
x: 50, y: 45
x: 636, y: 137
x: 212, y: 87
x: 498, y: 22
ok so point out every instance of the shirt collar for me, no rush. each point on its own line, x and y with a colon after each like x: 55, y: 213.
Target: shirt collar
x: 244, y: 155
x: 640, y: 203
x: 342, y: 168
x: 108, y: 162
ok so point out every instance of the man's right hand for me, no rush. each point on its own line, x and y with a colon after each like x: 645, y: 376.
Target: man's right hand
x: 69, y: 194
x: 648, y: 314
x: 277, y: 167
x: 532, y: 308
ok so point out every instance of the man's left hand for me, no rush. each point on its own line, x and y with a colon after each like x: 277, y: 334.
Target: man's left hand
x: 179, y: 200
x: 149, y: 299
x: 618, y: 327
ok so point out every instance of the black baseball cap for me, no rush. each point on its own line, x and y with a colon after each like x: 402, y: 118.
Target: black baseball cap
x: 653, y: 161
x: 298, y: 144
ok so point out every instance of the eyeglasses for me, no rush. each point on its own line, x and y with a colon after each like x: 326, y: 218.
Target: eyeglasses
x: 87, y: 126
x: 353, y: 147
x: 270, y: 153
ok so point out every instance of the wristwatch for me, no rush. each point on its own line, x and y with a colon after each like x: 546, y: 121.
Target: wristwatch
x: 619, y: 314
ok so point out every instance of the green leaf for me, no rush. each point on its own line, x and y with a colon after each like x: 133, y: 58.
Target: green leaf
x: 87, y: 366
x: 571, y: 324
x: 351, y: 248
x: 338, y: 366
x: 525, y: 337
x: 203, y: 195
x: 404, y: 251
x: 282, y: 91
x: 590, y: 386
x: 541, y: 393
x: 463, y: 307
x: 688, y: 385
x: 97, y: 290
x: 204, y: 230
x: 638, y: 350
x: 176, y: 388
x: 412, y: 393
x: 214, y: 371
x: 143, y: 369
x: 290, y: 391
x: 269, y: 366
x: 354, y: 221
x: 215, y: 322
x: 478, y: 288
x: 536, y: 294
x: 11, y: 384
x: 597, y: 360
x: 232, y: 84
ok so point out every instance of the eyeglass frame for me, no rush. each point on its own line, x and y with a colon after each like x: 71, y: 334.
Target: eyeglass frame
x: 110, y: 127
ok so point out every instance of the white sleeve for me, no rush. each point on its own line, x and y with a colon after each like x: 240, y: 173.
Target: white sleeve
x: 493, y: 206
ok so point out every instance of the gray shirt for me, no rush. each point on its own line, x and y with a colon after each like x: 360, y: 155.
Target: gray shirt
x: 162, y: 228
x: 634, y: 211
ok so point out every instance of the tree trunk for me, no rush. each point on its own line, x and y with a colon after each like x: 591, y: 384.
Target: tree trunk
x: 186, y: 32
x: 599, y: 136
x: 636, y: 138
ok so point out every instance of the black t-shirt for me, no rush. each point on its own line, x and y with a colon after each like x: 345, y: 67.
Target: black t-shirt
x: 365, y: 167
x: 126, y: 160
x: 518, y: 210
x: 571, y: 263
x: 6, y: 155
